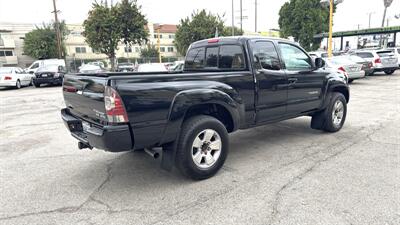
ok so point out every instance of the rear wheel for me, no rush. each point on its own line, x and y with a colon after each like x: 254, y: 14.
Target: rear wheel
x: 202, y: 147
x: 350, y: 81
x: 36, y: 84
x: 333, y: 117
x: 389, y: 72
x: 18, y: 84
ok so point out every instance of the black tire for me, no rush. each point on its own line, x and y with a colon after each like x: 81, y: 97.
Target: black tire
x: 350, y: 81
x: 31, y: 83
x: 389, y: 72
x: 36, y: 84
x: 324, y: 119
x: 191, y: 128
x: 18, y: 84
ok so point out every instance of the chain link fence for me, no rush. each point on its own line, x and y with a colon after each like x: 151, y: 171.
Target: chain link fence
x: 73, y: 64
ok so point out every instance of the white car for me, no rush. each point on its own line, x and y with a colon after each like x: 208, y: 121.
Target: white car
x: 382, y: 59
x: 44, y: 62
x: 396, y: 52
x: 343, y: 64
x: 14, y: 77
x: 152, y: 67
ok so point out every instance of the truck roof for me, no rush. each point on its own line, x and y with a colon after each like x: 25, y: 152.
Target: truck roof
x: 233, y: 40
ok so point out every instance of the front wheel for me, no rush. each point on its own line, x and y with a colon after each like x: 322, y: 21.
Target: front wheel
x: 202, y: 147
x: 389, y: 72
x: 333, y: 117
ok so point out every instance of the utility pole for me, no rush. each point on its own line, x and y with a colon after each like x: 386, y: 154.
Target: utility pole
x: 255, y: 13
x: 330, y: 28
x: 241, y: 16
x: 57, y: 28
x: 233, y: 19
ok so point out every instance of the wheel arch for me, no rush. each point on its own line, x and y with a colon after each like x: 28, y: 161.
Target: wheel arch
x: 210, y: 102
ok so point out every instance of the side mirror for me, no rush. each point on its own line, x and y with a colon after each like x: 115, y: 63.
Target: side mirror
x: 319, y: 63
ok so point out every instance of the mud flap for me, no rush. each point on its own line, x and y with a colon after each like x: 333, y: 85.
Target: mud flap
x: 168, y: 156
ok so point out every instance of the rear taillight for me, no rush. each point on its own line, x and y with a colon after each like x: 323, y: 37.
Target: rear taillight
x: 114, y: 106
x: 378, y: 60
x: 7, y: 78
x: 342, y: 70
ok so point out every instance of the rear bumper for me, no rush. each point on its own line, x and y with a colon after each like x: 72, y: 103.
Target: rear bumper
x: 380, y: 69
x: 49, y: 80
x: 356, y: 75
x: 109, y: 138
x: 8, y: 83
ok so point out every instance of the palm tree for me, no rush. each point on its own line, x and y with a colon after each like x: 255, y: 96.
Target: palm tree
x: 387, y: 4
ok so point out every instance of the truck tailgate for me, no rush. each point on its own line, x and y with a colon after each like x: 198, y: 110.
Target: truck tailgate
x: 84, y: 97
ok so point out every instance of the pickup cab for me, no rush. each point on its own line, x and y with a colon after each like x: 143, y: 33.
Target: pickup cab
x: 228, y: 83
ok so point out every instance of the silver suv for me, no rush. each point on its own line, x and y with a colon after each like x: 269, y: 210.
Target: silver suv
x: 382, y: 59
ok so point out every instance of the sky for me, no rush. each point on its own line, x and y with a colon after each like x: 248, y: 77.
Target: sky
x: 350, y: 14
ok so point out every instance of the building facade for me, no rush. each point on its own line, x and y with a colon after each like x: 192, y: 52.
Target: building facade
x: 12, y: 43
x: 77, y: 50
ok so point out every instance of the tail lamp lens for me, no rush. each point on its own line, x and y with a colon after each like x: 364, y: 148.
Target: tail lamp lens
x: 378, y: 60
x: 114, y: 106
x: 7, y: 78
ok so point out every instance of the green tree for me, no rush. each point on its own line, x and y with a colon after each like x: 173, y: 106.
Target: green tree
x: 302, y: 19
x: 132, y: 23
x: 151, y: 51
x: 227, y: 31
x: 106, y: 26
x: 41, y: 43
x: 201, y: 25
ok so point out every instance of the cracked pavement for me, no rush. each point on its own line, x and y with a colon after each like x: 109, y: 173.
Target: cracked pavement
x: 284, y: 173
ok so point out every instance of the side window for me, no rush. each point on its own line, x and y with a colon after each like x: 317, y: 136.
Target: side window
x: 265, y: 53
x: 195, y: 58
x: 34, y: 66
x: 231, y: 57
x: 212, y: 57
x: 294, y: 58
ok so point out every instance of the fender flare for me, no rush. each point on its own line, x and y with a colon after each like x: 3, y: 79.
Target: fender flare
x: 184, y: 100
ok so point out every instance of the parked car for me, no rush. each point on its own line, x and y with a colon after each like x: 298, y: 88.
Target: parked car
x: 43, y: 63
x: 178, y: 66
x: 126, y: 67
x: 383, y: 60
x: 228, y: 83
x: 151, y: 67
x: 14, y: 77
x: 367, y: 66
x: 323, y: 54
x: 396, y: 52
x: 50, y: 74
x: 88, y: 68
x: 352, y: 69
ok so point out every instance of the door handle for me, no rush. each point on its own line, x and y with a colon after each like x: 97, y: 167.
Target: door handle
x: 292, y: 80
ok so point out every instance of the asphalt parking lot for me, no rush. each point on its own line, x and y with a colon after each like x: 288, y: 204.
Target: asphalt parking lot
x: 284, y: 173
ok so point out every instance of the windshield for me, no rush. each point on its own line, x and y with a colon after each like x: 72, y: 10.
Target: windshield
x: 52, y: 68
x: 4, y: 70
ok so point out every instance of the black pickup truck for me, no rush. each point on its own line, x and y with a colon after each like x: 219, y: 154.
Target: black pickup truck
x: 228, y: 84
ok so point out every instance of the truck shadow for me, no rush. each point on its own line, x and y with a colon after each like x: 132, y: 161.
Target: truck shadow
x: 138, y: 171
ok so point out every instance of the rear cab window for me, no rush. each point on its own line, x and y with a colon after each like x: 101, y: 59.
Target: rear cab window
x: 385, y: 53
x: 226, y: 57
x: 365, y: 55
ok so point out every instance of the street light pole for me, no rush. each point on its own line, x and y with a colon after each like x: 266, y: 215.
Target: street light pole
x: 255, y: 13
x: 330, y: 28
x: 233, y: 20
x: 241, y: 16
